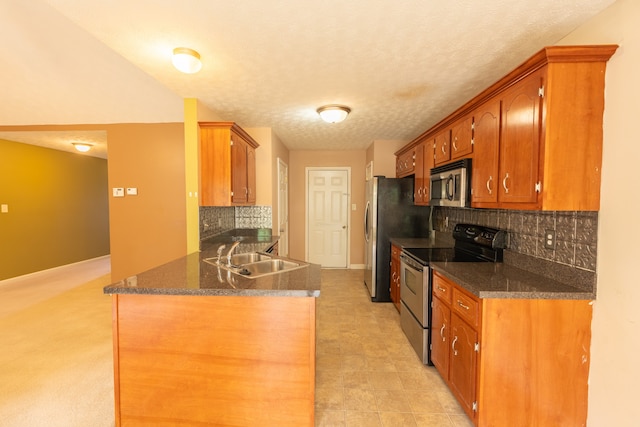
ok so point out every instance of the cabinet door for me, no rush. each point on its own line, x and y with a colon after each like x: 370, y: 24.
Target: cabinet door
x: 424, y: 163
x: 394, y: 284
x: 486, y: 137
x: 251, y: 174
x: 464, y: 361
x: 405, y: 163
x: 440, y: 316
x: 238, y: 169
x: 520, y: 141
x: 461, y: 137
x: 442, y: 152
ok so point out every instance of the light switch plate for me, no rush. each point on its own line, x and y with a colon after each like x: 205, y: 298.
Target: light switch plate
x: 4, y: 208
x: 118, y: 192
x: 132, y: 191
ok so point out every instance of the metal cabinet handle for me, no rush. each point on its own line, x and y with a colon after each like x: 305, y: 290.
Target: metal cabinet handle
x: 442, y: 333
x: 420, y: 191
x: 504, y: 183
x: 455, y: 147
x: 441, y: 289
x: 453, y: 345
x: 442, y: 148
x: 489, y: 181
x: 466, y: 307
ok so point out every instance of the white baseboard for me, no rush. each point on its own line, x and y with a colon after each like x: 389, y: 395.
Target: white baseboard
x: 35, y: 274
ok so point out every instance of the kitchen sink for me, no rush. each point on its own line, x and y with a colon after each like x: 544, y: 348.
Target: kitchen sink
x: 261, y: 268
x: 255, y: 264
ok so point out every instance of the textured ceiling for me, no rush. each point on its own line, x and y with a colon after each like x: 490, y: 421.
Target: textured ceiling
x: 401, y: 65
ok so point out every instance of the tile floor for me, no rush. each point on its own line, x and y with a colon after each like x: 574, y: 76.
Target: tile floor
x: 367, y: 373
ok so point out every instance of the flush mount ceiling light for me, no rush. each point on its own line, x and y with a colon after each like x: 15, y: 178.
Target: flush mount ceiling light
x: 186, y: 60
x: 334, y: 113
x: 81, y: 146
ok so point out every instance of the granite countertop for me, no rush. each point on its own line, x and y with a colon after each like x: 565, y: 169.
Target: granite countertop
x: 500, y: 280
x: 191, y: 275
x: 437, y: 240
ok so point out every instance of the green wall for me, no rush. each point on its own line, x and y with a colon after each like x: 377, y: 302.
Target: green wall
x: 58, y: 208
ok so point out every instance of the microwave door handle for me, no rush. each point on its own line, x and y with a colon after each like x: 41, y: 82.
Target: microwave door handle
x: 448, y: 187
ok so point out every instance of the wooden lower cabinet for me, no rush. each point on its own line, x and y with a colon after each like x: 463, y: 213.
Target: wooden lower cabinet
x: 394, y: 277
x: 513, y: 362
x: 214, y: 360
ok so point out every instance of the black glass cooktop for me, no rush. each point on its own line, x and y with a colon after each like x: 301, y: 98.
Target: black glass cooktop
x: 427, y: 255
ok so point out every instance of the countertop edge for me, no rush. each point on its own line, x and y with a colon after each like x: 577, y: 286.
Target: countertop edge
x: 482, y: 292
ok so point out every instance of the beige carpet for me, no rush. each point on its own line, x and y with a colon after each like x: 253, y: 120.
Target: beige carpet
x: 56, y: 361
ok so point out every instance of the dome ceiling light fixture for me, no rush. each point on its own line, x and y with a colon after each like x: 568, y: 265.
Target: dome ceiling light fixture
x: 186, y: 60
x: 82, y: 147
x: 333, y: 113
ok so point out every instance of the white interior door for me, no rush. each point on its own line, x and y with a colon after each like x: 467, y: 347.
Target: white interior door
x: 283, y: 208
x: 328, y: 216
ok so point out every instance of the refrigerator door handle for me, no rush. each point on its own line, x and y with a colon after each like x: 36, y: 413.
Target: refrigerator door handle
x: 366, y: 221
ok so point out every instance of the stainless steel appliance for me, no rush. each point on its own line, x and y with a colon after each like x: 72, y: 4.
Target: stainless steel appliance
x: 389, y: 212
x: 472, y: 244
x: 451, y: 184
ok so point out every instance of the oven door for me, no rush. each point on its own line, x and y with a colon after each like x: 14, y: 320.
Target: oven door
x: 414, y: 289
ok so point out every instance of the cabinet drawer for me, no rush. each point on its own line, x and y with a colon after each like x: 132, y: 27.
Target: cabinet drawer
x: 442, y: 288
x: 467, y: 307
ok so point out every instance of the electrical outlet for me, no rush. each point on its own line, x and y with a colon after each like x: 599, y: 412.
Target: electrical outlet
x: 118, y: 192
x: 549, y: 239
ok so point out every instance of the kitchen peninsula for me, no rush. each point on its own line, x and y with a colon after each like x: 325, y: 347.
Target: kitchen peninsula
x: 195, y: 344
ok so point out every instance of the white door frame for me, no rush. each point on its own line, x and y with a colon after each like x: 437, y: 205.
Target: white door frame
x: 284, y: 244
x: 347, y: 205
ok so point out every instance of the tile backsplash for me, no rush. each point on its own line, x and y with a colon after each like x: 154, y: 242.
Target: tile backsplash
x: 576, y: 232
x: 218, y: 219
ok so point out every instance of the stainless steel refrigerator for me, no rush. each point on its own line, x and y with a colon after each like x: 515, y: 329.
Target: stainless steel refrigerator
x: 389, y: 212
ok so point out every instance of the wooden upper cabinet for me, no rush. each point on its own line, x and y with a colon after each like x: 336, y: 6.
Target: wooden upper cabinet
x: 227, y: 165
x: 462, y: 138
x: 442, y: 147
x: 405, y: 163
x: 486, y: 139
x: 520, y: 141
x: 424, y: 163
x: 549, y: 115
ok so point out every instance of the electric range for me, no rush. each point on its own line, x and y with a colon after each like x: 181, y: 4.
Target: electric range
x: 473, y: 243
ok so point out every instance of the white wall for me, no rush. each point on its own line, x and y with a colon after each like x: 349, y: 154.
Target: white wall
x: 615, y: 347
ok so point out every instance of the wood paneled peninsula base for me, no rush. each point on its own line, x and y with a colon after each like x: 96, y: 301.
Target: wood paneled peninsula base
x: 219, y: 354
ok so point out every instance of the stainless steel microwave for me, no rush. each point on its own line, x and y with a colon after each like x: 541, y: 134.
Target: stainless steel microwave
x: 451, y: 184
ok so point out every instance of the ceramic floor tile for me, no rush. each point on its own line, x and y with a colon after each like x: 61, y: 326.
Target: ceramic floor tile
x: 397, y: 419
x: 362, y: 419
x: 330, y: 419
x: 367, y: 372
x: 461, y: 421
x: 329, y: 398
x: 432, y: 420
x: 357, y: 399
x: 392, y: 401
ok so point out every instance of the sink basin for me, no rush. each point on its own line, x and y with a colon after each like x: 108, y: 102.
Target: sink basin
x: 240, y: 259
x: 249, y: 257
x: 266, y: 267
x: 254, y: 264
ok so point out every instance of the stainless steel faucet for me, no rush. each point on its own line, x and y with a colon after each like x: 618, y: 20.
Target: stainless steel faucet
x: 235, y: 244
x: 220, y: 249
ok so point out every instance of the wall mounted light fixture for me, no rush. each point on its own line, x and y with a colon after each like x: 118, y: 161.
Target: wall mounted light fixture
x: 186, y: 60
x: 334, y: 113
x: 82, y: 147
